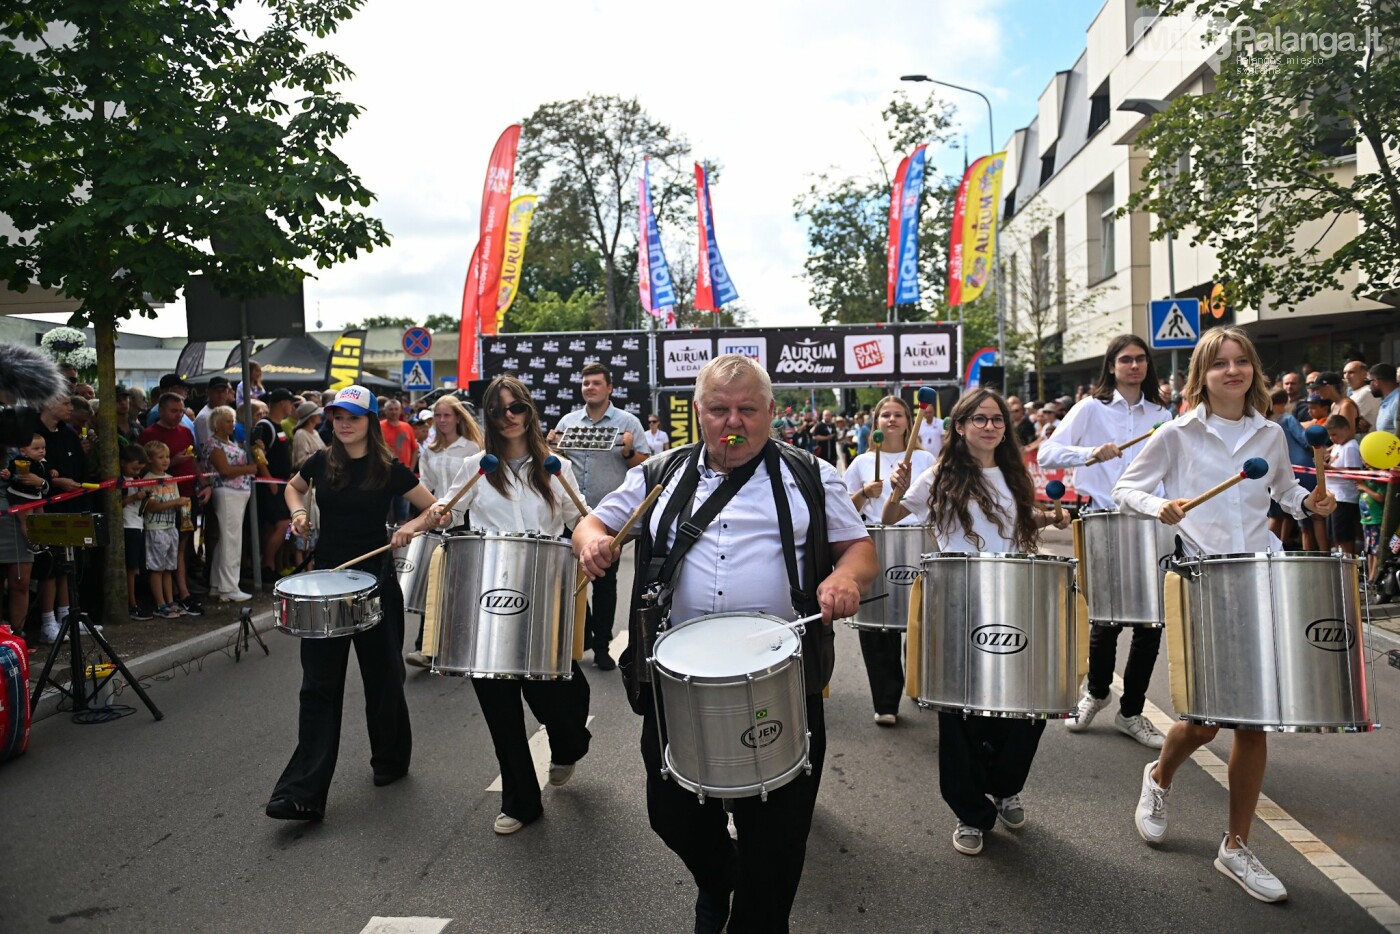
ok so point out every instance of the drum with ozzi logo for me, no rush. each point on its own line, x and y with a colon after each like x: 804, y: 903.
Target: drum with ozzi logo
x: 505, y: 606
x: 897, y: 551
x: 326, y: 604
x: 1274, y: 642
x: 730, y: 692
x: 1119, y: 567
x: 997, y: 635
x: 411, y: 564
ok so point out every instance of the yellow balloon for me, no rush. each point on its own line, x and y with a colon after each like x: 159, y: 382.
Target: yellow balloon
x: 1381, y: 450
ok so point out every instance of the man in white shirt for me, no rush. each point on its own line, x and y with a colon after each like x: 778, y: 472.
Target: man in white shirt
x: 1124, y: 403
x: 740, y: 563
x: 219, y: 393
x: 1358, y: 380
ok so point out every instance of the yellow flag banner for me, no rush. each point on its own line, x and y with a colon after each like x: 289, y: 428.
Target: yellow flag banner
x: 974, y: 229
x: 518, y: 217
x: 347, y: 354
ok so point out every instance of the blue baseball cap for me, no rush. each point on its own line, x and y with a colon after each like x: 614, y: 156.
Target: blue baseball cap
x: 357, y: 400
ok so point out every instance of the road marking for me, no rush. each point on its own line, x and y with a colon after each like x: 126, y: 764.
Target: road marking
x: 1343, y: 874
x: 406, y: 925
x: 539, y: 754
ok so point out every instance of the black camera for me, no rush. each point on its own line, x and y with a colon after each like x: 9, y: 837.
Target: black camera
x: 18, y: 425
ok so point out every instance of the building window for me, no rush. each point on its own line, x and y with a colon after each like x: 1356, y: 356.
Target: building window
x: 1100, y: 206
x: 1106, y: 265
x: 1047, y: 166
x: 1098, y: 109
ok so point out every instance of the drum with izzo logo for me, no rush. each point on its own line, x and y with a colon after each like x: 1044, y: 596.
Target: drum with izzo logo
x: 411, y: 565
x: 897, y: 551
x: 1275, y: 642
x: 505, y: 606
x: 997, y: 635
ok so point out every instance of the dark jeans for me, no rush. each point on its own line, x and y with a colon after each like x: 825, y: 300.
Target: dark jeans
x: 307, y: 777
x: 562, y: 706
x: 980, y: 756
x: 764, y: 867
x: 1142, y: 655
x: 601, y: 610
x: 884, y: 667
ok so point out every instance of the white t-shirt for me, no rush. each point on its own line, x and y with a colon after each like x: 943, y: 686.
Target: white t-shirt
x: 862, y: 471
x: 658, y: 440
x: 522, y: 509
x: 1346, y: 456
x: 131, y: 512
x: 930, y: 437
x: 966, y: 540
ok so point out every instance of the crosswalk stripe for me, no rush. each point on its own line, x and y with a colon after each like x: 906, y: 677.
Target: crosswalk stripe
x: 405, y: 925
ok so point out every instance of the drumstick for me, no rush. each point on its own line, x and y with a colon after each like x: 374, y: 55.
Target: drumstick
x: 626, y: 529
x: 1056, y: 491
x: 877, y: 438
x: 488, y: 464
x: 1129, y: 443
x: 926, y: 397
x: 1317, y: 440
x: 1253, y: 469
x: 556, y: 467
x: 816, y: 616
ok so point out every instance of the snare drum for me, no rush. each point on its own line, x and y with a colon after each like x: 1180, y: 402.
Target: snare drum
x: 730, y: 691
x: 997, y: 635
x: 897, y: 552
x: 411, y: 564
x: 505, y: 606
x: 1118, y: 567
x: 1274, y: 642
x: 326, y: 604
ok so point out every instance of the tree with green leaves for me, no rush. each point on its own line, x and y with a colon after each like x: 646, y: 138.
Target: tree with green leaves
x: 1261, y: 168
x: 133, y: 134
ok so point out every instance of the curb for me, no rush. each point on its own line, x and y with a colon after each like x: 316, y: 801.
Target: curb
x: 159, y: 662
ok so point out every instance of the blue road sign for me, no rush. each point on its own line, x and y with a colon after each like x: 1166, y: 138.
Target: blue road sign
x: 417, y: 341
x: 1176, y: 322
x: 417, y: 375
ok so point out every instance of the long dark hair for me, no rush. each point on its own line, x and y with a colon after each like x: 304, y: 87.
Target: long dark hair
x: 1106, y: 385
x: 534, y: 438
x: 958, y: 480
x: 377, y: 451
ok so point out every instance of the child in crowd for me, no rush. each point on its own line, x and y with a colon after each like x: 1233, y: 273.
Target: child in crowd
x: 29, y: 461
x: 1344, y: 525
x: 133, y: 464
x: 161, y: 511
x: 1370, y: 503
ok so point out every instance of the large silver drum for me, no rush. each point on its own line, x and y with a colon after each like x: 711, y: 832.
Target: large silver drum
x: 411, y: 564
x: 997, y: 635
x: 505, y: 606
x: 897, y: 550
x: 1274, y: 642
x: 1118, y: 567
x: 729, y: 689
x: 326, y: 604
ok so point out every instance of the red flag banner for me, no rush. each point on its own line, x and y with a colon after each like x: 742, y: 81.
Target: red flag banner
x: 704, y: 291
x: 466, y: 333
x: 896, y: 215
x: 495, y: 204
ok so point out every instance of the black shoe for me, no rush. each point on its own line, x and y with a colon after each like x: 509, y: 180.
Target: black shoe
x: 387, y: 778
x: 139, y: 613
x: 291, y: 809
x: 603, y: 661
x: 711, y: 911
x: 191, y: 606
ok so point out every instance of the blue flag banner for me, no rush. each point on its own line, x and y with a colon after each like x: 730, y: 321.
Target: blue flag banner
x: 907, y: 285
x: 714, y: 289
x: 662, y: 292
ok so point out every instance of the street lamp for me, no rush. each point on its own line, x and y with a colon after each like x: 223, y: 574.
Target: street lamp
x: 996, y: 234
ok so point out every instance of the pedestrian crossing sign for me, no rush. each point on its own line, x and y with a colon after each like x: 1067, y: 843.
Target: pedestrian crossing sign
x: 417, y: 375
x: 1176, y: 322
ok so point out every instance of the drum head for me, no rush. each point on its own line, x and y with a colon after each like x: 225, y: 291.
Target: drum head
x: 325, y: 584
x: 725, y: 646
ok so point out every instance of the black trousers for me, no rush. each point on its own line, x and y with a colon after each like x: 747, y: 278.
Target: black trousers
x: 378, y: 650
x: 981, y: 756
x: 884, y: 667
x: 562, y: 706
x: 1142, y: 655
x: 764, y: 868
x: 601, y: 610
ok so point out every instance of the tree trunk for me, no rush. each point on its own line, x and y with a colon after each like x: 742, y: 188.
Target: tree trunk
x: 109, y: 446
x: 610, y: 292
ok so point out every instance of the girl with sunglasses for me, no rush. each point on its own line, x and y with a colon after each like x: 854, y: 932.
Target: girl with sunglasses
x: 519, y: 496
x: 978, y: 497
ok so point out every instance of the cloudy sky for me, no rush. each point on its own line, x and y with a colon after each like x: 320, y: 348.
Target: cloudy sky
x: 773, y: 91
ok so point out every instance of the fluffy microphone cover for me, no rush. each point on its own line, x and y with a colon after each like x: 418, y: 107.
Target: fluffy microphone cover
x: 28, y: 374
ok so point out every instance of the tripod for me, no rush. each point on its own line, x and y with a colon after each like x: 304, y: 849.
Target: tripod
x: 246, y: 628
x: 40, y: 533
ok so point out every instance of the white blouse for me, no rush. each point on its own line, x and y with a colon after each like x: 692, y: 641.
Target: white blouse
x: 966, y: 540
x: 862, y: 471
x: 1089, y: 424
x: 522, y: 509
x: 437, y: 469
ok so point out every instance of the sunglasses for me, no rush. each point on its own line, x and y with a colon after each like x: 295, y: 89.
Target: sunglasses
x: 515, y: 408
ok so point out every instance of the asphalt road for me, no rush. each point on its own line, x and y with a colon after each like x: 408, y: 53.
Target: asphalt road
x: 135, y: 825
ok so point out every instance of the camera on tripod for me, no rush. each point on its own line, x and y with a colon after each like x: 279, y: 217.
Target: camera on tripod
x: 18, y: 425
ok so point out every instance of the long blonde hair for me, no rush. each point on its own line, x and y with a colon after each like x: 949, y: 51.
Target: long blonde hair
x: 1207, y: 349
x: 466, y: 425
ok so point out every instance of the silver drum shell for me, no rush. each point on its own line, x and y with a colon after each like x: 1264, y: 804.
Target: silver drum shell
x: 997, y: 635
x: 411, y: 565
x: 1275, y: 642
x: 898, y: 549
x: 506, y: 606
x: 717, y: 744
x: 1120, y: 564
x: 326, y: 604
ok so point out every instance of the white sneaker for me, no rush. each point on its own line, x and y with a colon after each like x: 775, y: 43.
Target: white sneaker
x: 886, y: 719
x: 49, y: 634
x: 1089, y: 706
x: 237, y: 596
x: 1151, y: 815
x: 1011, y: 812
x: 1244, y: 867
x: 506, y: 824
x: 560, y: 774
x: 967, y: 840
x: 1141, y: 729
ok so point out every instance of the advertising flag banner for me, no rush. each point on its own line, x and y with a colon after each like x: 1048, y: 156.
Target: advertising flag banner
x: 972, y: 248
x: 495, y: 204
x: 713, y: 287
x: 347, y: 354
x: 896, y: 206
x: 521, y: 210
x: 907, y: 281
x: 657, y: 293
x: 191, y: 362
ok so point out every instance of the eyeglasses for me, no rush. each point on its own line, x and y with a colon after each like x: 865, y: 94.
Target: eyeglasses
x: 1139, y: 360
x: 981, y: 421
x: 515, y: 408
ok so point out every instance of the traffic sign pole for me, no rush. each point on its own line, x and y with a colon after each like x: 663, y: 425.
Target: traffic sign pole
x: 1171, y: 288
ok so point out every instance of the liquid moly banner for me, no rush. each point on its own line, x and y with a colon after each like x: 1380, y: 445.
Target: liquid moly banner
x: 550, y: 363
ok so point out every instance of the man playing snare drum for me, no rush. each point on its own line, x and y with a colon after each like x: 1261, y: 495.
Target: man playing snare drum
x: 780, y: 501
